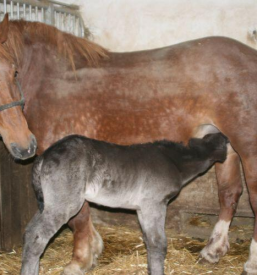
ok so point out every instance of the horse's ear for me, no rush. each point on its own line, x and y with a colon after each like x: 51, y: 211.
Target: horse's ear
x: 4, y: 29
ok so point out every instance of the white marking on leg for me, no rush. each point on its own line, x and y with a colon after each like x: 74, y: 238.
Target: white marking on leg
x: 251, y: 265
x: 97, y: 246
x: 218, y: 244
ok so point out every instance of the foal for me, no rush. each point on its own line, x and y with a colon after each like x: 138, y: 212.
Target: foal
x: 143, y: 177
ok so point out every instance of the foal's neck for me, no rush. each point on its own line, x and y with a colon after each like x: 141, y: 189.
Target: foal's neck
x: 189, y: 161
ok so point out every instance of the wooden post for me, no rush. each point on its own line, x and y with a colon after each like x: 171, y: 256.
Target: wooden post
x: 17, y: 200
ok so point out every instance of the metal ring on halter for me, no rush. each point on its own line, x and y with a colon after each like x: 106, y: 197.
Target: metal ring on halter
x: 20, y: 102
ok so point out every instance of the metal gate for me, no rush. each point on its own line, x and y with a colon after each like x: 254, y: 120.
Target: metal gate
x: 63, y: 16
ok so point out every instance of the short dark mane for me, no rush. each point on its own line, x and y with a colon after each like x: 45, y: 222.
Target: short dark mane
x: 67, y: 45
x: 178, y: 150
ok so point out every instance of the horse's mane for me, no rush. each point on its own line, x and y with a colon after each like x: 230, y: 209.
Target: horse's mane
x: 66, y: 45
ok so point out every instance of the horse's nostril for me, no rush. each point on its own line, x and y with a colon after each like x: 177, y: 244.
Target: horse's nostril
x: 16, y: 151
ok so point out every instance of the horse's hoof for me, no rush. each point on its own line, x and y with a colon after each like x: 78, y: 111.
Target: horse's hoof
x: 244, y: 273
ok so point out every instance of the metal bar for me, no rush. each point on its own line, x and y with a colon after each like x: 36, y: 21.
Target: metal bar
x: 24, y: 11
x: 63, y: 22
x: 5, y: 6
x: 60, y: 20
x: 42, y: 15
x: 77, y: 26
x: 30, y: 12
x: 55, y: 18
x: 36, y: 13
x: 11, y: 4
x: 82, y: 28
x: 69, y: 22
x: 73, y: 24
x: 18, y: 10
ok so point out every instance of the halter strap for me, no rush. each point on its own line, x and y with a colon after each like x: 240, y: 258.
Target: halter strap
x: 20, y: 102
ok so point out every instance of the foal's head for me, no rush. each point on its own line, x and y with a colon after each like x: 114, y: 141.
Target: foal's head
x: 20, y: 142
x: 211, y: 146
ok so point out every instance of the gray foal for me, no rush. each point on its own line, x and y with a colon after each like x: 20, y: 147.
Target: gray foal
x: 143, y: 177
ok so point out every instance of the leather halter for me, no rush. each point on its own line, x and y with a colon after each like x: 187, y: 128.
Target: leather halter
x: 20, y: 102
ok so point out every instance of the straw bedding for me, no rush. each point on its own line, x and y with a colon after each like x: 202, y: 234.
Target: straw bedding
x: 125, y: 253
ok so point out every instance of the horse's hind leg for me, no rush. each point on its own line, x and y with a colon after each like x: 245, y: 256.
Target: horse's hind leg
x: 38, y: 233
x: 88, y: 244
x: 229, y: 190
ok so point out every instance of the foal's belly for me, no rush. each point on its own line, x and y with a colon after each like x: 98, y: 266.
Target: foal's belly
x: 113, y: 200
x: 114, y: 194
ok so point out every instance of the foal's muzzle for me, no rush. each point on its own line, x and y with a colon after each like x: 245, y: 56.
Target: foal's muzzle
x: 21, y: 153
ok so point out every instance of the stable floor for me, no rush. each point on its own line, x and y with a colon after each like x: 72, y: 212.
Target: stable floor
x: 125, y: 253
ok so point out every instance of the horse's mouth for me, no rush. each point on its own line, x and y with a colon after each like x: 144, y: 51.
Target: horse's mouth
x: 21, y: 153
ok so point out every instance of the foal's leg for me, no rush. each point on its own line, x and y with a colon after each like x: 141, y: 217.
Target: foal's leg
x: 39, y: 231
x: 230, y: 189
x: 152, y: 221
x: 88, y: 244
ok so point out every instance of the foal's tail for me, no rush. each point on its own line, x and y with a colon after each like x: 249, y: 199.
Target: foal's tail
x: 36, y: 183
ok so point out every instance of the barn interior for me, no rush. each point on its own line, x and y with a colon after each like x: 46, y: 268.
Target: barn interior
x: 191, y: 217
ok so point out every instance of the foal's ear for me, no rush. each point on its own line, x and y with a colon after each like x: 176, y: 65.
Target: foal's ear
x: 4, y: 29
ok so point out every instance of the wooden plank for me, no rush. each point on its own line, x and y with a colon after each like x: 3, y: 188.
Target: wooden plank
x: 6, y: 217
x: 17, y: 200
x: 14, y: 178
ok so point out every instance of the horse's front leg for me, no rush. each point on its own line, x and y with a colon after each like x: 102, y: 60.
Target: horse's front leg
x: 250, y: 164
x: 88, y: 244
x: 229, y: 190
x: 152, y: 220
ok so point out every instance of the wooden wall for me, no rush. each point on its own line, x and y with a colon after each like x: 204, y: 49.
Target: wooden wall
x: 17, y: 202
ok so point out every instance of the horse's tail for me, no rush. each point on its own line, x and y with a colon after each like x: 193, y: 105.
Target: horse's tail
x: 36, y: 183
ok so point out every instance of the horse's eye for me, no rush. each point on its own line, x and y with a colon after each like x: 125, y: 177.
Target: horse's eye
x: 16, y: 73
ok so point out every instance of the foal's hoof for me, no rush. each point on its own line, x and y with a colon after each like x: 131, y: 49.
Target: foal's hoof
x: 72, y: 269
x: 202, y: 261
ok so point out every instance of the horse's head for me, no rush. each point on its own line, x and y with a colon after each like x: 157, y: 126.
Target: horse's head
x: 20, y: 142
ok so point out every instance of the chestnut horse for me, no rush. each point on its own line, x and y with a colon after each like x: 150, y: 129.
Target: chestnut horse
x: 177, y: 92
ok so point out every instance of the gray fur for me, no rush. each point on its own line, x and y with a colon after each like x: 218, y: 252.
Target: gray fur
x: 140, y: 177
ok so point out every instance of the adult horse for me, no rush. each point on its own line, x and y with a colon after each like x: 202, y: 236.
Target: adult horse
x: 174, y: 93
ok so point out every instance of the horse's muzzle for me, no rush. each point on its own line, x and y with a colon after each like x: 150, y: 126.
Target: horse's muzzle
x: 21, y: 153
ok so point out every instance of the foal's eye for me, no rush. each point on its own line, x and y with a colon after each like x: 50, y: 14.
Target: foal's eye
x: 15, y: 73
